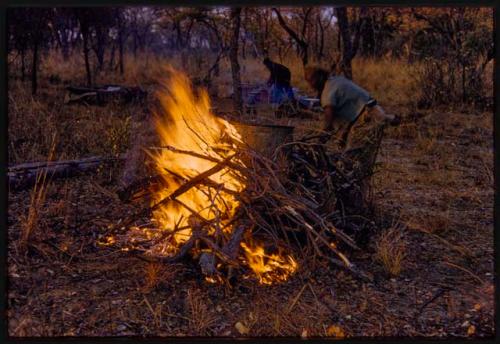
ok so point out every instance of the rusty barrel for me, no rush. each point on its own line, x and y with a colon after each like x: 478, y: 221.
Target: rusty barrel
x: 264, y: 138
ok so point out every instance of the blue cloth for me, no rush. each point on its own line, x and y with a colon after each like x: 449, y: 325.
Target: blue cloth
x: 252, y: 99
x: 280, y: 94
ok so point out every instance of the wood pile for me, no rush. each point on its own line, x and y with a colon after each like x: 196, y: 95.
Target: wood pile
x: 298, y: 201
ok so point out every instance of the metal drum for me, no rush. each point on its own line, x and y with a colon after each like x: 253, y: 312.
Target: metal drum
x: 264, y: 138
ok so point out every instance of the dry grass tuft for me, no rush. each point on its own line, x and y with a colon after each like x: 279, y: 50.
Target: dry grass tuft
x: 154, y: 274
x: 390, y: 249
x: 37, y: 200
x: 201, y: 319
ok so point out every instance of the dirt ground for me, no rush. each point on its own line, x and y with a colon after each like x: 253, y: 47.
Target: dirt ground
x: 433, y: 193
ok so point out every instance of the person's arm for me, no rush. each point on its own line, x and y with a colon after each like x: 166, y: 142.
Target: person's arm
x: 270, y: 81
x: 328, y: 123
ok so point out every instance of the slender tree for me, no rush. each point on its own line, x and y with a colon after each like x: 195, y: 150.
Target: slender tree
x: 83, y: 16
x: 233, y: 56
x: 299, y: 39
x: 349, y: 44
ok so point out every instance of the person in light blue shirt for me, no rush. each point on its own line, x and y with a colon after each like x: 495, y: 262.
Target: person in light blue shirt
x: 344, y: 103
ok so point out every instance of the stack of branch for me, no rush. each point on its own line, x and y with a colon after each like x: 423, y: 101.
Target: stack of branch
x: 290, y: 203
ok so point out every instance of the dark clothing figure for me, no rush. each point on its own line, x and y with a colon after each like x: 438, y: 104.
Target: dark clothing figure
x: 279, y: 80
x: 280, y: 75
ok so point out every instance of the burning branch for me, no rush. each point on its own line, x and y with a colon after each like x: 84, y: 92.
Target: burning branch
x: 228, y: 206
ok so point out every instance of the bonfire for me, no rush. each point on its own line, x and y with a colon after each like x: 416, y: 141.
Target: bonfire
x: 237, y: 212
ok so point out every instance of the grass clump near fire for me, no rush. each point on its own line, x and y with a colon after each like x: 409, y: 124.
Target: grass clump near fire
x: 229, y: 207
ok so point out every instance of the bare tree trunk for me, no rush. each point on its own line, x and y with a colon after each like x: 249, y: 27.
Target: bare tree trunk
x: 233, y: 56
x: 349, y: 47
x: 302, y: 45
x: 243, y: 52
x: 86, y: 56
x: 343, y: 22
x: 321, y: 42
x: 112, y: 57
x: 64, y: 45
x: 100, y: 48
x: 120, y: 50
x: 34, y: 69
x: 368, y: 35
x: 315, y: 47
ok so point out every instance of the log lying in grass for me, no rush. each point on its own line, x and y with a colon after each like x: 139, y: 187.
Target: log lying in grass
x: 25, y: 175
x: 104, y: 94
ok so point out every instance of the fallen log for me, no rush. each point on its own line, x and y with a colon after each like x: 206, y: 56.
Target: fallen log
x: 104, y: 94
x: 25, y: 175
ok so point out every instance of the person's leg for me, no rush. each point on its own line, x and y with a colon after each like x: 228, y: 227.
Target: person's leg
x: 289, y: 92
x: 278, y: 95
x: 340, y: 132
x: 356, y: 136
x: 363, y: 144
x: 379, y: 114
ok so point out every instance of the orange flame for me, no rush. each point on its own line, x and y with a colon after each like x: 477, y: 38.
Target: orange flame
x: 269, y: 268
x: 187, y: 123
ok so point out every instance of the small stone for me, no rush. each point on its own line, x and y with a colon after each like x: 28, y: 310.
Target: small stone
x: 242, y: 329
x: 121, y: 328
x: 466, y: 323
x: 467, y: 315
x: 218, y: 308
x: 348, y: 317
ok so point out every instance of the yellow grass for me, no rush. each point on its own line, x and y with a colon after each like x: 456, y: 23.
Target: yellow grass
x: 390, y: 81
x: 154, y: 274
x: 201, y: 318
x: 390, y: 250
x: 37, y: 201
